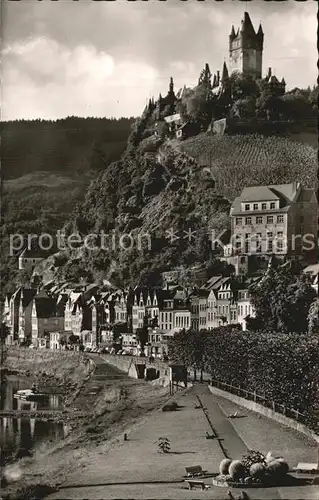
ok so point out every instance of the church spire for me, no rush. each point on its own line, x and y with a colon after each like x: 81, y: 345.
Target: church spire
x: 232, y: 33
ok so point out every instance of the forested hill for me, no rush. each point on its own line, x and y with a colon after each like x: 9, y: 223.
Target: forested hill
x: 72, y: 145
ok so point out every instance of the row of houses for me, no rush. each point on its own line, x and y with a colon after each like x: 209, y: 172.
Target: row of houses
x: 56, y: 313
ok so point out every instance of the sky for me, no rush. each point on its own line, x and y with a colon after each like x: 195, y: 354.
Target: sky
x: 106, y: 58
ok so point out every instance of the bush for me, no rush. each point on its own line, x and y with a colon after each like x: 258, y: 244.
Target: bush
x: 170, y: 406
x: 236, y: 470
x: 257, y: 470
x: 277, y: 468
x: 269, y: 363
x: 163, y: 445
x: 224, y: 466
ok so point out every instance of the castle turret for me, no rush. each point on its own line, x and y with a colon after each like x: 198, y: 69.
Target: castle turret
x: 260, y: 36
x: 171, y: 86
x: 232, y: 34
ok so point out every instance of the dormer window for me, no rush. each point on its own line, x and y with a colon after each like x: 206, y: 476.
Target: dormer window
x: 255, y: 206
x: 247, y: 207
x: 264, y: 206
x: 272, y: 205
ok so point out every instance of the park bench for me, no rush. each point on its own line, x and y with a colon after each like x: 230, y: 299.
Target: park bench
x: 194, y: 471
x: 193, y: 483
x: 307, y: 468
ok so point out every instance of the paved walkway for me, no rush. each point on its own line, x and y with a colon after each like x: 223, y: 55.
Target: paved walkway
x: 137, y: 460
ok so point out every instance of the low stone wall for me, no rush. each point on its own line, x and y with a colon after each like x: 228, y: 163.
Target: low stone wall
x: 126, y: 363
x: 63, y: 365
x: 123, y: 363
x: 267, y: 412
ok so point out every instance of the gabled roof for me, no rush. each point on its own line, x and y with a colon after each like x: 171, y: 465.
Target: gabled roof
x: 45, y: 305
x: 306, y: 194
x: 27, y: 295
x: 284, y: 192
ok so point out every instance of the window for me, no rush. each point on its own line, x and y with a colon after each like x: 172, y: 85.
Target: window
x: 264, y: 206
x: 259, y: 220
x: 247, y: 207
x: 255, y: 206
x: 272, y: 205
x: 248, y: 221
x: 239, y: 221
x: 280, y: 218
x: 258, y: 242
x: 270, y: 219
x: 279, y: 246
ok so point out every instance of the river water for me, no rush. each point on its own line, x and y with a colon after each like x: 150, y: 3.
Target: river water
x: 20, y: 436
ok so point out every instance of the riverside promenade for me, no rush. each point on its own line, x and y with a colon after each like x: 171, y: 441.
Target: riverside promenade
x: 135, y: 469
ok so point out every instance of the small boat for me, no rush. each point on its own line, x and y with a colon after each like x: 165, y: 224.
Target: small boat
x: 29, y: 395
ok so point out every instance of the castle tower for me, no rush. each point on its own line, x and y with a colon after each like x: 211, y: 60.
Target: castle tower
x: 246, y: 48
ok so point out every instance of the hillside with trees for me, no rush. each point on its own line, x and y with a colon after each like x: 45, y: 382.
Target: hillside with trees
x: 162, y: 188
x: 47, y: 167
x: 154, y: 188
x: 71, y: 146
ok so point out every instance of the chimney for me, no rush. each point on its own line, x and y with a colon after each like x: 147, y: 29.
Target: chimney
x: 269, y: 73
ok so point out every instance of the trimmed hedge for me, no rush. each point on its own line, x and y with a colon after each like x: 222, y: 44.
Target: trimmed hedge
x: 282, y: 368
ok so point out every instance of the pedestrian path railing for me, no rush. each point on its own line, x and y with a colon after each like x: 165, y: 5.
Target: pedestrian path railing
x: 260, y: 399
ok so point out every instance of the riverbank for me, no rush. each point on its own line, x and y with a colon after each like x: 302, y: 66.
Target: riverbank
x: 109, y: 403
x: 134, y: 469
x: 54, y: 372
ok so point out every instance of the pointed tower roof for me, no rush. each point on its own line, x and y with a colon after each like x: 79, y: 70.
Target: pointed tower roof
x: 214, y: 80
x: 247, y: 26
x: 224, y: 72
x: 260, y: 30
x: 232, y: 33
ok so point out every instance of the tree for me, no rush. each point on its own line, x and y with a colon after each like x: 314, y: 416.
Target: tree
x: 163, y: 445
x: 245, y: 108
x: 313, y: 317
x: 242, y: 86
x: 282, y: 300
x: 4, y: 332
x: 142, y: 333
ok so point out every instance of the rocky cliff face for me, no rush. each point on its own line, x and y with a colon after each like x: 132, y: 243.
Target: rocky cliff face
x: 159, y: 204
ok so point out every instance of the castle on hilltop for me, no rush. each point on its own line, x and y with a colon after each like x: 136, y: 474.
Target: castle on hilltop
x: 245, y: 58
